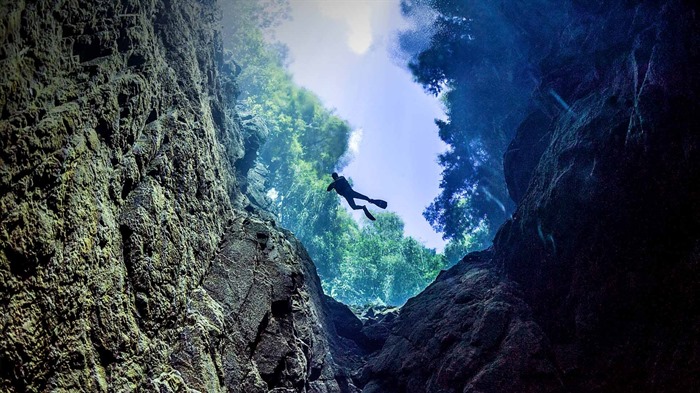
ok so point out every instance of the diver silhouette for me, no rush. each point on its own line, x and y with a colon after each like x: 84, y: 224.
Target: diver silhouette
x: 342, y: 187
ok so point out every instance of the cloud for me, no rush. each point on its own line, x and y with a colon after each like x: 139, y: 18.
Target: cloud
x: 357, y: 17
x: 354, y: 142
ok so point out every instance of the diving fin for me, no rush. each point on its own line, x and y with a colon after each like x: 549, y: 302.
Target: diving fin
x: 369, y: 215
x: 379, y: 203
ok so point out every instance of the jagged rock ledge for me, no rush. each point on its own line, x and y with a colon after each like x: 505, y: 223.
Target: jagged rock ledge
x: 135, y: 254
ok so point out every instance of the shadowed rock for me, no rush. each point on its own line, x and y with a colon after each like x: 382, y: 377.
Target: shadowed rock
x: 468, y: 331
x: 592, y: 285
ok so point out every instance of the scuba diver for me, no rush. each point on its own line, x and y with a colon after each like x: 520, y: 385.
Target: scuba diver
x: 342, y: 187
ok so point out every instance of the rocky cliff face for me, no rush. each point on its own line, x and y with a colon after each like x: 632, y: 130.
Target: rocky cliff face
x: 130, y: 258
x: 592, y: 285
x: 135, y: 253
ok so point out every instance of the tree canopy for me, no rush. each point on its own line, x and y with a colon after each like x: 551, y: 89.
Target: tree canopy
x: 473, y: 60
x: 358, y: 264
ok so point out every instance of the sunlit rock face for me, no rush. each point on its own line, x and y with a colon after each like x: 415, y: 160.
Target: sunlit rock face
x: 592, y: 286
x: 130, y: 258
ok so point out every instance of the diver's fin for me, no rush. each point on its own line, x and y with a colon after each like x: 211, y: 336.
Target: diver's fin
x: 379, y: 203
x: 369, y: 215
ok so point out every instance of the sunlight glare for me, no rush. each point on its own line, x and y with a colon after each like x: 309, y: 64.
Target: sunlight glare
x: 357, y: 17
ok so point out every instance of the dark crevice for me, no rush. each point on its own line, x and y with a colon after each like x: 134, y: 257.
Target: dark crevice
x: 124, y: 41
x: 106, y: 356
x: 218, y: 117
x: 126, y: 233
x: 126, y: 189
x: 281, y: 307
x: 315, y: 373
x: 104, y: 131
x: 277, y: 377
x: 136, y: 60
x: 130, y: 139
x: 122, y: 99
x: 258, y: 336
x: 152, y: 116
x: 20, y: 265
x: 43, y: 181
x: 217, y: 366
x: 262, y: 239
x: 89, y: 48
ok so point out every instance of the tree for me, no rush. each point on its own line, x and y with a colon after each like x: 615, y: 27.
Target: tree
x: 475, y: 62
x: 374, y: 263
x: 385, y: 267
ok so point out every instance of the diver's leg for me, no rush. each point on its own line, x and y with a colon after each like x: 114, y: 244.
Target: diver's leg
x: 357, y: 195
x: 368, y: 214
x: 377, y: 202
x: 354, y: 206
x: 352, y: 203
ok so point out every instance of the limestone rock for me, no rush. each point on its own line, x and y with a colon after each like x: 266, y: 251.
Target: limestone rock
x: 592, y: 285
x: 128, y: 259
x: 469, y: 331
x: 377, y: 323
x: 524, y: 152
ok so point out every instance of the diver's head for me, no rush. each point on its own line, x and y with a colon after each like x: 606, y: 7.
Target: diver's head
x: 335, y: 176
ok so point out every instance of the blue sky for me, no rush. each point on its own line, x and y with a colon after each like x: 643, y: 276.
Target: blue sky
x: 341, y: 51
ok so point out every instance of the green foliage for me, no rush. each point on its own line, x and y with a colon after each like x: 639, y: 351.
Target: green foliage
x: 458, y: 247
x: 475, y: 60
x: 382, y: 266
x: 306, y: 142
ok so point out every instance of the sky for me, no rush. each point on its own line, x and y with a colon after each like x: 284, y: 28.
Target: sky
x: 341, y: 50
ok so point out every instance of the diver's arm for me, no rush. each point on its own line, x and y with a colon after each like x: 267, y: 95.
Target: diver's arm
x: 330, y: 186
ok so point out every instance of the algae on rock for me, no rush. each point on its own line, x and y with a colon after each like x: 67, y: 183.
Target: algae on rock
x: 127, y: 260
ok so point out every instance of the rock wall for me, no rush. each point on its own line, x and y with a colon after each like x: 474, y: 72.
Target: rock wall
x: 592, y: 285
x: 605, y: 241
x: 135, y: 253
x: 469, y: 331
x: 130, y: 258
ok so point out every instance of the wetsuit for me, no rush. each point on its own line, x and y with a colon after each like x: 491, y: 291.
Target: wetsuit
x: 343, y: 188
